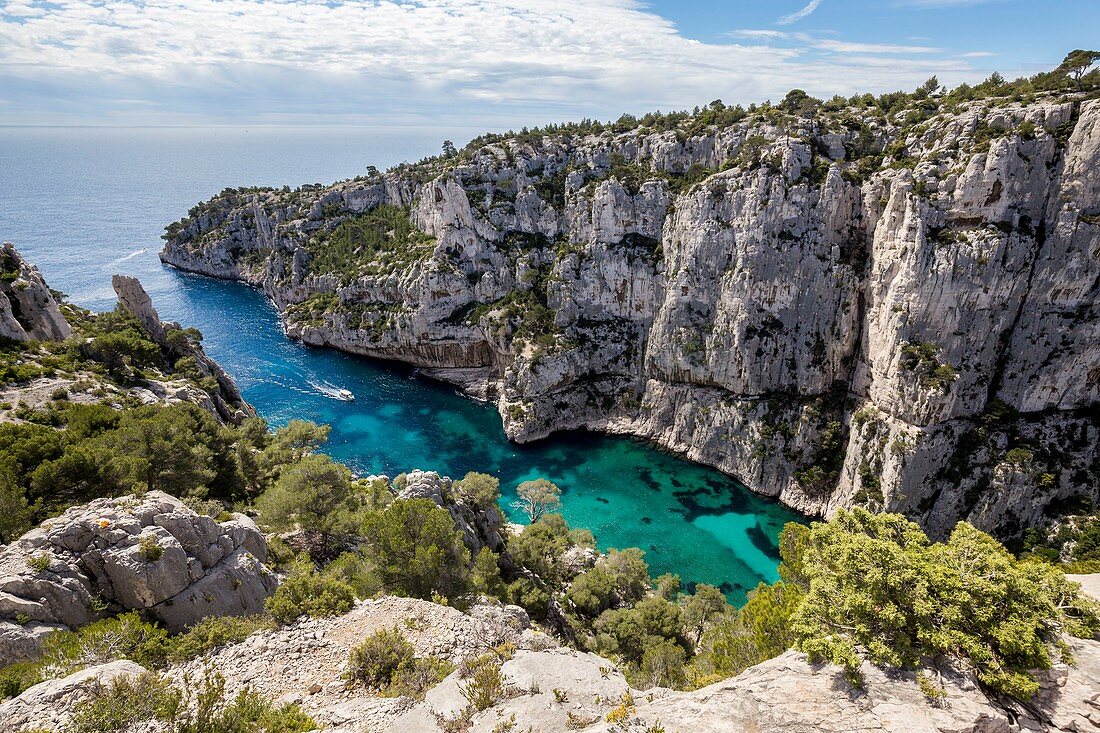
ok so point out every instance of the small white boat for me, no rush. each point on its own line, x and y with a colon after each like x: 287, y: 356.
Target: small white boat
x: 333, y: 392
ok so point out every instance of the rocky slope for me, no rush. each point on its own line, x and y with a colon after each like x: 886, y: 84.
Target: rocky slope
x: 840, y: 308
x: 36, y: 319
x: 223, y: 399
x: 551, y: 688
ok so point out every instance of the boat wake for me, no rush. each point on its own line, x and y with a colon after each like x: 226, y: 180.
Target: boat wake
x: 333, y: 392
x: 124, y: 258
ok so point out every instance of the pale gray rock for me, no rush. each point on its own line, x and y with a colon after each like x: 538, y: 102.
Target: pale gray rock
x: 28, y: 308
x: 150, y: 553
x: 50, y: 705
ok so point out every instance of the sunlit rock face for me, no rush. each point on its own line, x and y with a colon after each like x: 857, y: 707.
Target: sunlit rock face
x: 841, y: 310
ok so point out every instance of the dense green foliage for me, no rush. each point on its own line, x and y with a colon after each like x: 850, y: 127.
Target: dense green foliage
x: 213, y: 632
x: 380, y: 240
x: 307, y: 592
x: 1074, y: 540
x: 180, y: 449
x: 416, y: 550
x: 876, y: 588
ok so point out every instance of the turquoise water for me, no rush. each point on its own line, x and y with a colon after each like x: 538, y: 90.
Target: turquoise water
x: 86, y: 203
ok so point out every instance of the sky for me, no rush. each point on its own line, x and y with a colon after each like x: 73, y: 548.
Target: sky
x: 495, y: 64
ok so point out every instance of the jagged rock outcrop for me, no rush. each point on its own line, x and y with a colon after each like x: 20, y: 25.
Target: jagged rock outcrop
x: 480, y: 526
x: 28, y: 308
x: 846, y: 309
x: 225, y: 401
x: 150, y: 553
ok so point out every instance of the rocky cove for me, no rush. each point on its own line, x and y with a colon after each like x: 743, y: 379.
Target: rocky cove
x: 839, y: 307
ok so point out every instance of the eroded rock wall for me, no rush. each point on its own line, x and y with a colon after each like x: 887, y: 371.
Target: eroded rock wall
x: 839, y: 311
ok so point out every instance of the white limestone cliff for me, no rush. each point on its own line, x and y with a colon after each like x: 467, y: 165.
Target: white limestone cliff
x: 840, y: 311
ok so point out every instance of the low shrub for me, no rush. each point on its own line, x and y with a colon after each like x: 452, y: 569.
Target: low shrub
x: 375, y: 661
x: 149, y: 548
x: 126, y: 636
x: 18, y: 677
x: 484, y: 685
x: 126, y: 701
x: 306, y: 592
x: 387, y: 662
x: 213, y: 632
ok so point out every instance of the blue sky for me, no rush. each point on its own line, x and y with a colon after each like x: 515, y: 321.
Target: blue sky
x: 495, y: 63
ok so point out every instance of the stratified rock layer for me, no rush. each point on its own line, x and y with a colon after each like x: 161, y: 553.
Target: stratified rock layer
x: 848, y: 310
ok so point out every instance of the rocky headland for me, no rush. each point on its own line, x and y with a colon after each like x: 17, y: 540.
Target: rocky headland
x: 839, y: 305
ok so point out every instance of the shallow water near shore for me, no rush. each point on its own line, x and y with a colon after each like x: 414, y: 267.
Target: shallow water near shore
x: 84, y: 203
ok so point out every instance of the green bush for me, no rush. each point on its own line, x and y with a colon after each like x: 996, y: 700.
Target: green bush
x: 758, y: 631
x: 126, y: 636
x: 484, y: 684
x: 311, y: 494
x: 385, y: 661
x: 877, y: 588
x: 39, y: 563
x: 416, y: 549
x: 353, y: 569
x: 18, y: 677
x: 213, y: 632
x: 206, y: 710
x: 126, y: 701
x: 628, y: 632
x: 149, y: 548
x: 129, y: 702
x: 375, y: 661
x: 307, y: 592
x: 479, y: 489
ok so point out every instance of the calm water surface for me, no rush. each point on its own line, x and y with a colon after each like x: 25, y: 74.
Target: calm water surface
x: 85, y: 203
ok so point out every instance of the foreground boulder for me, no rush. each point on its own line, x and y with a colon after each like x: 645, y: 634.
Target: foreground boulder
x: 151, y: 553
x: 51, y: 704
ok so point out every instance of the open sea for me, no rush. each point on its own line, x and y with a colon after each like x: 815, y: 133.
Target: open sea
x: 85, y: 203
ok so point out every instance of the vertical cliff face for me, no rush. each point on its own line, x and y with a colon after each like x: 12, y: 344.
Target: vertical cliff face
x: 28, y: 309
x: 839, y: 309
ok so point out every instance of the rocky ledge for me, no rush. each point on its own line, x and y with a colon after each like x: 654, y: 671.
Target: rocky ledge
x: 841, y: 307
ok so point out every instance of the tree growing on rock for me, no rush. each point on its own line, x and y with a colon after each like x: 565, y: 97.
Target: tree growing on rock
x: 480, y: 489
x: 1077, y: 63
x: 416, y: 550
x: 310, y: 495
x: 538, y: 497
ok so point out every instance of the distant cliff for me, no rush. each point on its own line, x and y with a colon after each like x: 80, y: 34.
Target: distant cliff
x: 840, y: 305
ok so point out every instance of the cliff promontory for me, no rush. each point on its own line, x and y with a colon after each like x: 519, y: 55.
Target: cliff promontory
x: 855, y: 303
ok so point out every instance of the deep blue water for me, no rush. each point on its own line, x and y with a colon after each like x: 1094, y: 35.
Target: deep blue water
x: 85, y: 203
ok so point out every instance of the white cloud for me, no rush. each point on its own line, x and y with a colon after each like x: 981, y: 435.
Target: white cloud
x: 976, y: 54
x: 405, y: 61
x: 799, y: 14
x: 845, y: 47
